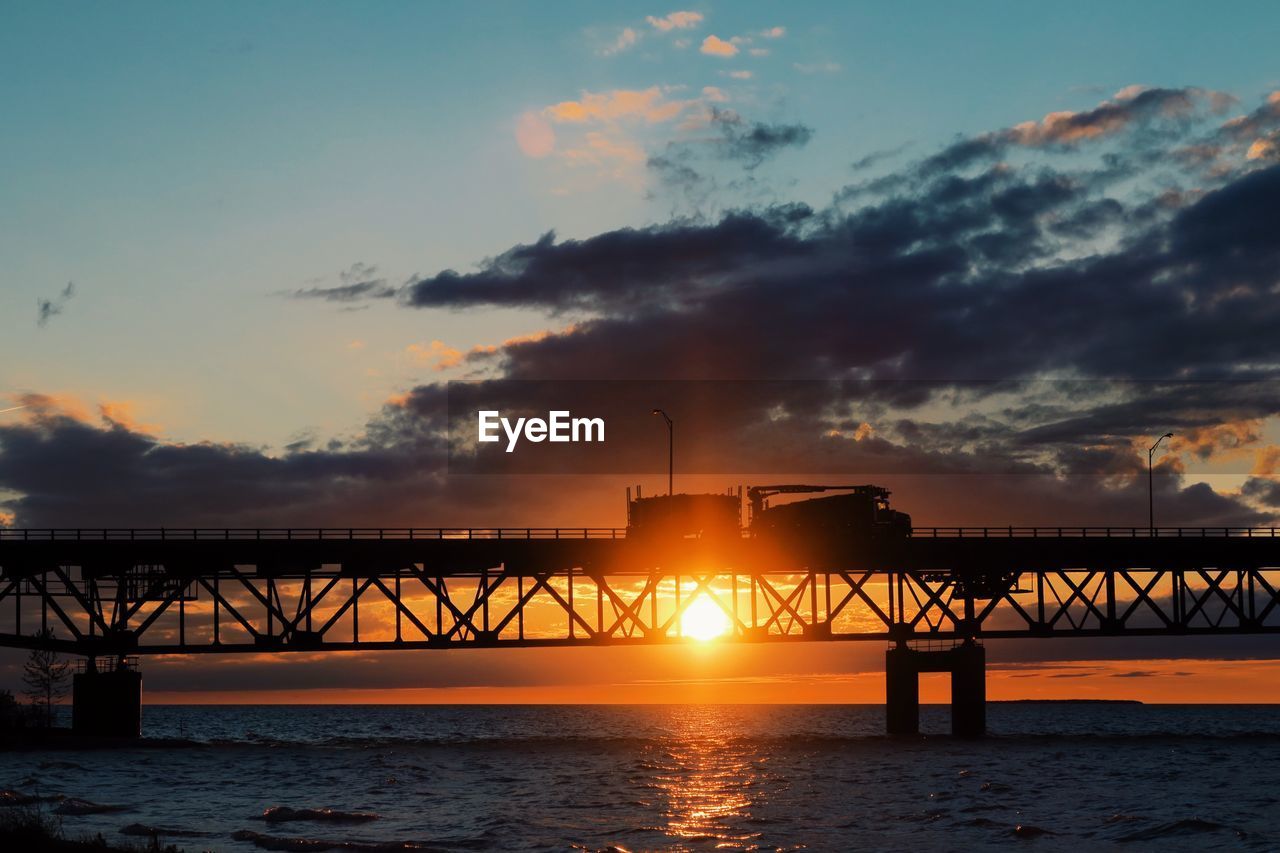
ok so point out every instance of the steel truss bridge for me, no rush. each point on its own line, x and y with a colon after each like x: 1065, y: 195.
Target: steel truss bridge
x: 114, y: 593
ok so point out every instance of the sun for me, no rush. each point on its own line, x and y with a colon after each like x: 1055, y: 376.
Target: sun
x: 704, y: 620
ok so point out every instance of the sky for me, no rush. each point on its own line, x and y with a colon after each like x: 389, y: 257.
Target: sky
x: 246, y: 245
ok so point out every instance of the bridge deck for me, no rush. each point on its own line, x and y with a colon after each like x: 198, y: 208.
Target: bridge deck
x: 144, y: 591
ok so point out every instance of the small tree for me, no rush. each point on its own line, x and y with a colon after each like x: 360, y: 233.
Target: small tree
x: 45, y: 675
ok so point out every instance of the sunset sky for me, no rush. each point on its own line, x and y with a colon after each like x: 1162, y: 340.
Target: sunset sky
x: 246, y: 245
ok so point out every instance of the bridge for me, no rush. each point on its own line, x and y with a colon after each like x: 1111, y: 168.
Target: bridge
x: 933, y: 595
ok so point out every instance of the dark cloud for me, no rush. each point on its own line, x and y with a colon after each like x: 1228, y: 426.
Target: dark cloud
x: 723, y: 162
x: 1265, y: 491
x: 46, y: 309
x: 753, y: 142
x: 628, y: 267
x: 1151, y: 113
x: 357, y: 283
x: 876, y: 157
x: 932, y: 308
x: 973, y: 277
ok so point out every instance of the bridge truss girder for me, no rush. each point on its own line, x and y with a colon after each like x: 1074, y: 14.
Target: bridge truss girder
x: 154, y: 609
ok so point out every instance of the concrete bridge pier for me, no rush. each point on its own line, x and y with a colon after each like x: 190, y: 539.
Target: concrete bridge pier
x: 107, y: 702
x: 967, y: 663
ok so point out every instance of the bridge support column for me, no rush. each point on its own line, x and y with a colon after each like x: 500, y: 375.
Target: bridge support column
x: 969, y: 690
x: 107, y: 702
x: 902, y: 691
x: 967, y: 664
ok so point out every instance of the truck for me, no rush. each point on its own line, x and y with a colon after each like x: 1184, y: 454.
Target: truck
x: 858, y: 514
x: 666, y: 519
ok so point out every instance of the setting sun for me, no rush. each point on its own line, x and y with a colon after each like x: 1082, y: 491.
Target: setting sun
x: 704, y: 620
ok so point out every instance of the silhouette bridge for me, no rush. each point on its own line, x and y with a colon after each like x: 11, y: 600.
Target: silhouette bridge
x: 932, y: 594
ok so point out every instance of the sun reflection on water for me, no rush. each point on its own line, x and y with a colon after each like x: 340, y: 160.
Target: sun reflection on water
x: 711, y: 780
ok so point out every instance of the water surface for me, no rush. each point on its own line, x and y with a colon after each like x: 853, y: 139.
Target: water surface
x: 706, y: 777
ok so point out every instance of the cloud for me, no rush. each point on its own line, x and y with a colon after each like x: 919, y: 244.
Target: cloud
x: 358, y: 282
x: 1266, y: 461
x: 625, y: 40
x: 608, y: 131
x: 932, y: 307
x: 726, y: 159
x: 739, y: 75
x: 46, y: 309
x: 875, y: 157
x: 817, y: 67
x: 437, y: 354
x: 648, y: 105
x: 534, y: 135
x: 675, y: 21
x: 1264, y: 491
x: 1160, y: 113
x: 753, y: 142
x: 1261, y: 149
x: 716, y: 46
x: 954, y: 275
x: 1128, y: 105
x: 773, y: 33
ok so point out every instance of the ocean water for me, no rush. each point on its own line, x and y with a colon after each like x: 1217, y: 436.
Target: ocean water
x: 702, y: 777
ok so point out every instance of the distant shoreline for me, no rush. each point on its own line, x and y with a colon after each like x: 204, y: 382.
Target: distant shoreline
x: 1065, y: 702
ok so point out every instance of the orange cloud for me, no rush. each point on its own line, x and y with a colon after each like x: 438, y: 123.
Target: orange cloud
x: 1062, y: 127
x: 1266, y: 461
x: 481, y: 350
x: 438, y: 354
x: 601, y: 147
x: 534, y: 135
x: 649, y: 105
x: 399, y: 400
x: 716, y: 46
x: 43, y: 406
x: 121, y: 413
x: 1228, y: 439
x: 1260, y: 149
x: 675, y: 21
x: 1065, y: 127
x: 774, y: 32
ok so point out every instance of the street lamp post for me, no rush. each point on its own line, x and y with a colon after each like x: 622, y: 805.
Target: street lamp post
x: 1151, y: 498
x: 671, y: 449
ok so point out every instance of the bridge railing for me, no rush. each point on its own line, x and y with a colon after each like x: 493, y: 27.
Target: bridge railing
x: 306, y: 533
x: 571, y: 533
x: 1088, y: 532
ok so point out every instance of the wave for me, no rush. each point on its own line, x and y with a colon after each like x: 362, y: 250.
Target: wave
x: 141, y: 829
x: 1025, y: 830
x: 605, y: 743
x: 1186, y: 826
x: 77, y: 806
x: 318, y: 845
x: 10, y: 797
x: 281, y: 814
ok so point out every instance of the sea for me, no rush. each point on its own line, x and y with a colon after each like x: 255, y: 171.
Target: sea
x: 1077, y: 777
